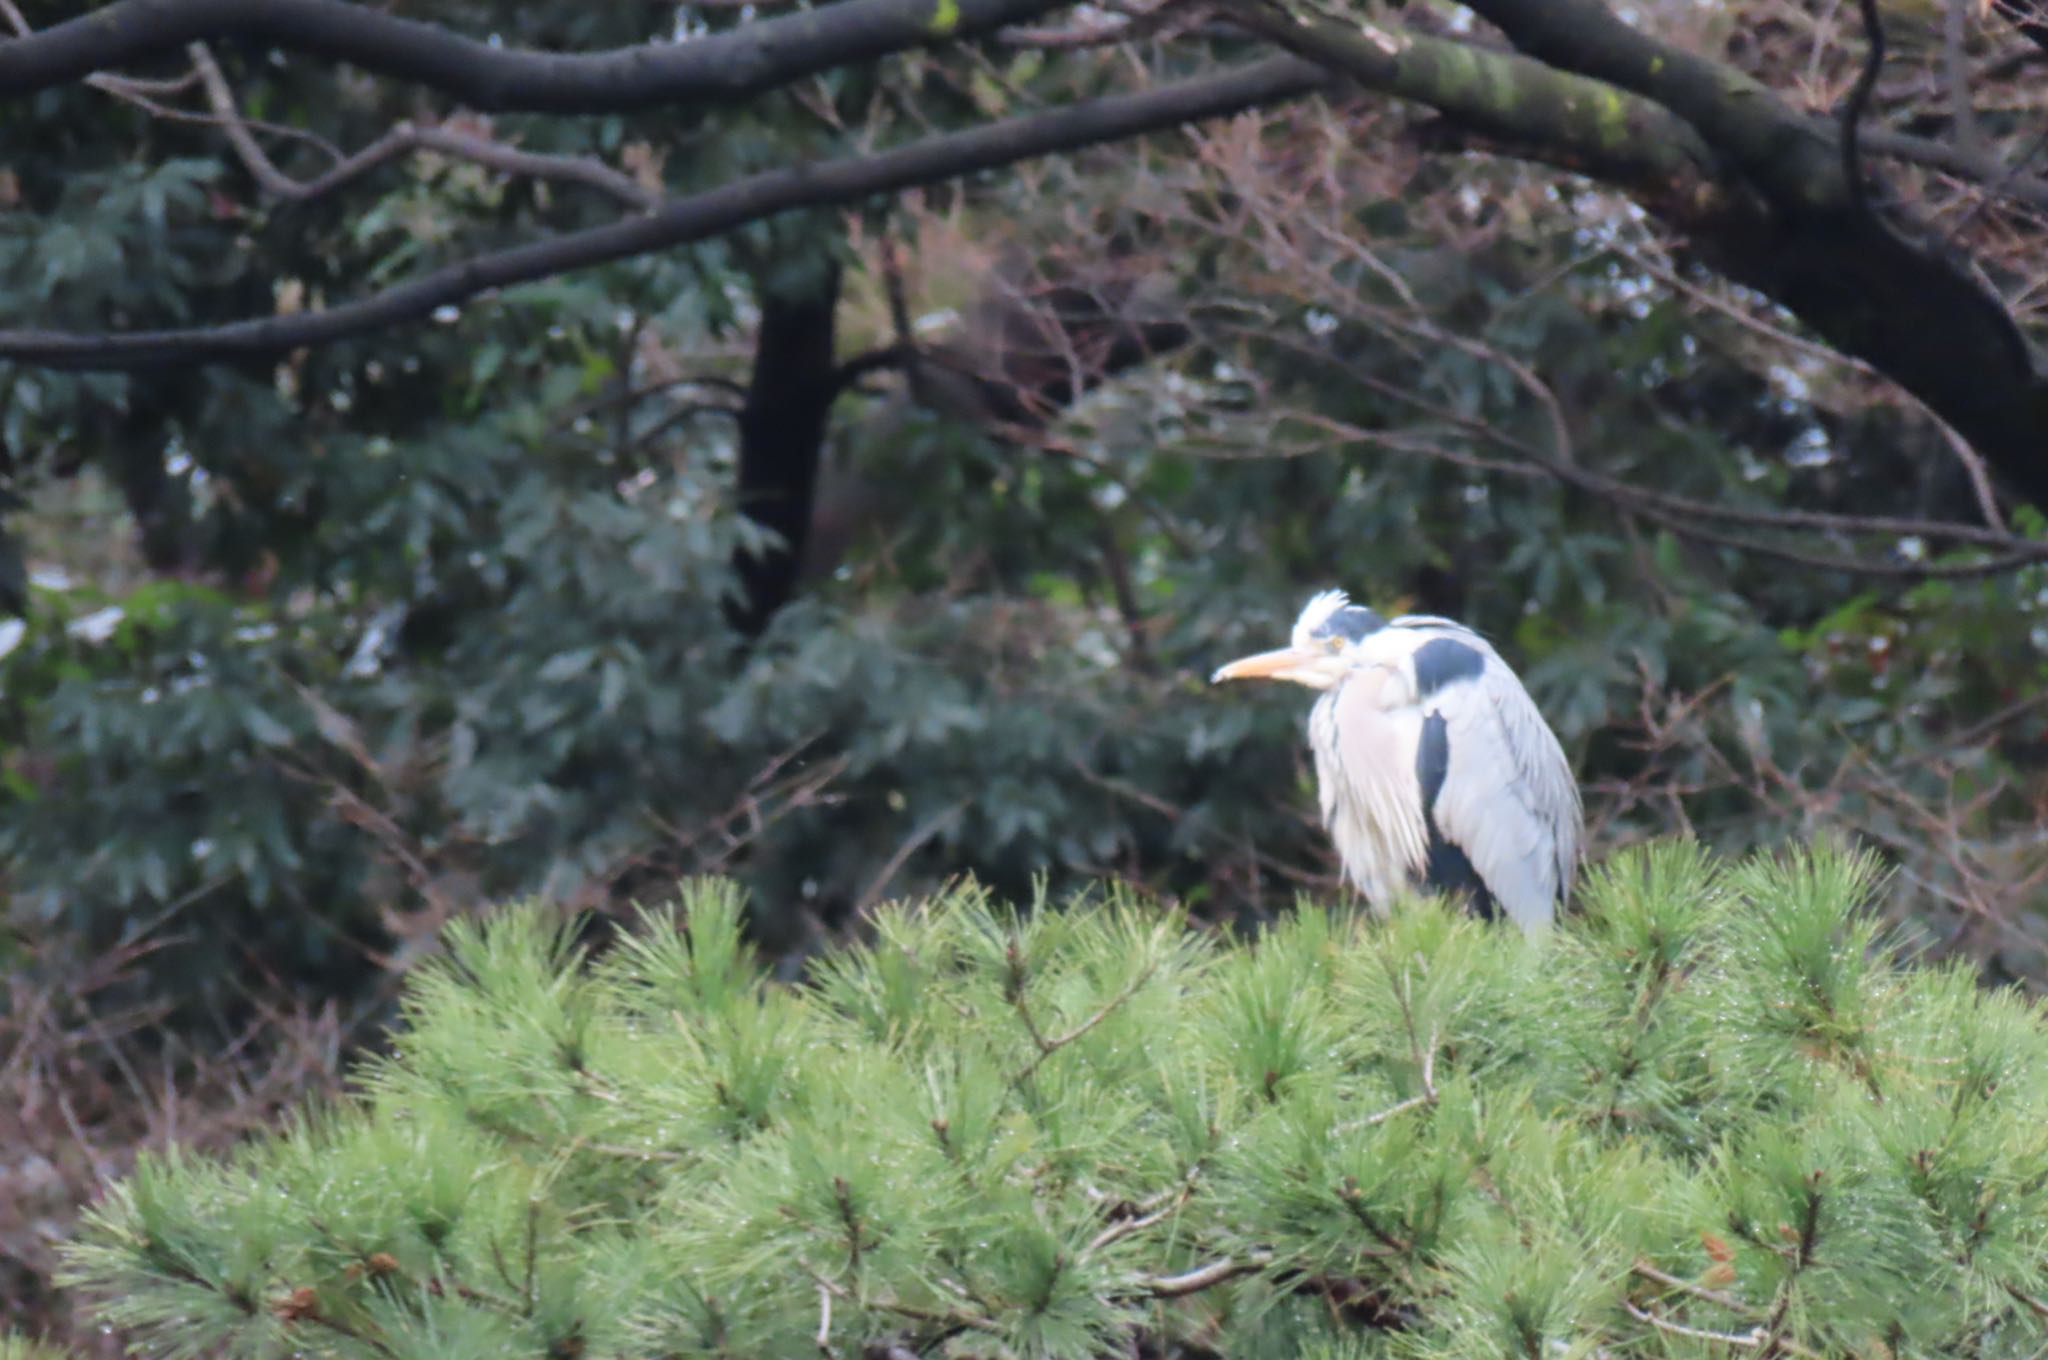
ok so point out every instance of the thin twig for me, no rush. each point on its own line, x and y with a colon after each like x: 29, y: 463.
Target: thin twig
x: 2033, y: 1305
x: 1124, y: 789
x: 943, y: 1318
x: 1714, y: 1296
x: 1048, y: 1047
x: 1748, y: 1340
x: 1391, y: 1112
x: 1978, y: 473
x: 1990, y: 566
x: 1155, y: 509
x: 824, y: 1337
x: 403, y: 138
x: 1955, y: 62
x: 1169, y: 19
x: 919, y: 835
x: 1992, y: 178
x: 1202, y: 1277
x: 1682, y: 513
x: 1125, y: 1227
x: 1428, y: 1096
x: 145, y: 94
x: 1153, y: 1209
x: 899, y: 355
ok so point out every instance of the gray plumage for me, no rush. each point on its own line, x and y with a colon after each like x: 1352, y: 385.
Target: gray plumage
x: 1434, y: 767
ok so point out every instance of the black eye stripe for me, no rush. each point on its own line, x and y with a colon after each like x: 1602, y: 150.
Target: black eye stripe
x: 1351, y: 623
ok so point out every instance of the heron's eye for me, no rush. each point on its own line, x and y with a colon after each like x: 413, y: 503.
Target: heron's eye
x: 1333, y: 643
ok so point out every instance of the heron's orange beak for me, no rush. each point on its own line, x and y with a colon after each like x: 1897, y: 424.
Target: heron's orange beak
x: 1285, y: 664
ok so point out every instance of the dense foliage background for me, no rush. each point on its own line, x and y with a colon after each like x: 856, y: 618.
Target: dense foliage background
x: 306, y: 656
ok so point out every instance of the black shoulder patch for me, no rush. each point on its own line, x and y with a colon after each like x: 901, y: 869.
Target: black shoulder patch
x: 1447, y: 869
x: 1444, y: 661
x: 1351, y: 623
x: 1432, y: 763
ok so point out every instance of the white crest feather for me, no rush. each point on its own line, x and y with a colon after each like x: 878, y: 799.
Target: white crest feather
x: 1316, y: 613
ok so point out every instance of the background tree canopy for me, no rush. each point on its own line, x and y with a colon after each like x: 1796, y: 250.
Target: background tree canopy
x: 463, y: 450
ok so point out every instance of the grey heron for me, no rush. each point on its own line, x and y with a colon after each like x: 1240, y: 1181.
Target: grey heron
x: 1434, y: 767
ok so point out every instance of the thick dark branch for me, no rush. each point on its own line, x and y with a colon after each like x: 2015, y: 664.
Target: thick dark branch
x: 1798, y: 162
x: 1743, y: 120
x: 1511, y: 101
x: 1859, y: 100
x: 691, y: 219
x: 1783, y: 219
x: 873, y: 361
x: 746, y: 60
x: 2030, y: 17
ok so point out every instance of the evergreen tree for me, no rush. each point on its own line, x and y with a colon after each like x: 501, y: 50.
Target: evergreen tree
x: 1713, y: 1114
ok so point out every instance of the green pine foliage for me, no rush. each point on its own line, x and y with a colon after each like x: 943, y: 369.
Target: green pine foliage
x: 13, y: 1347
x: 1712, y: 1115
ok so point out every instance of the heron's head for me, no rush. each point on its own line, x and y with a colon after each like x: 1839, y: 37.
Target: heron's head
x: 1321, y: 650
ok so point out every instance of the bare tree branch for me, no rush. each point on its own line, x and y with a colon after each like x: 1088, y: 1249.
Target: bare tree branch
x: 1684, y: 515
x: 851, y: 371
x: 2030, y: 17
x: 1049, y: 1046
x: 1955, y: 71
x: 1761, y: 191
x: 731, y: 65
x: 113, y: 84
x: 146, y: 94
x: 1978, y: 167
x: 402, y: 139
x: 1165, y: 19
x: 1760, y: 187
x: 690, y: 219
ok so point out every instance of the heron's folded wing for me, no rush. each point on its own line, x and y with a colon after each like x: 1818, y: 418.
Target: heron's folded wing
x: 1507, y: 799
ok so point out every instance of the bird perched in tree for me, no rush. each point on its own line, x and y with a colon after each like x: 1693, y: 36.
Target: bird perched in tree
x: 1436, y: 771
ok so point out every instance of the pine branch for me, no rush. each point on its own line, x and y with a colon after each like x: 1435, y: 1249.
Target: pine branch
x: 1749, y: 1340
x: 1202, y: 1277
x: 1713, y: 1296
x: 1048, y: 1047
x: 983, y: 1232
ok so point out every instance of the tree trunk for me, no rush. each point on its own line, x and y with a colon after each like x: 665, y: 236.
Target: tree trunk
x: 782, y: 432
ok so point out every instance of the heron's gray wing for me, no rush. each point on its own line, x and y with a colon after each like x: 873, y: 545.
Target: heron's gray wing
x: 1505, y: 798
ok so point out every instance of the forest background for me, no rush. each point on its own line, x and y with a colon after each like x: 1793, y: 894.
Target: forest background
x: 436, y: 473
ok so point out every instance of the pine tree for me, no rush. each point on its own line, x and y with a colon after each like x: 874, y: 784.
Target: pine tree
x: 1714, y: 1114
